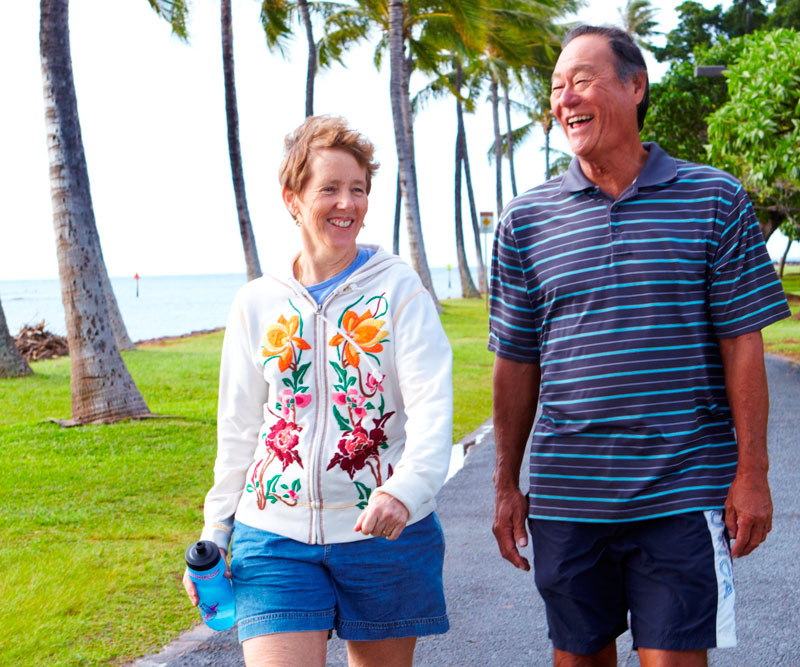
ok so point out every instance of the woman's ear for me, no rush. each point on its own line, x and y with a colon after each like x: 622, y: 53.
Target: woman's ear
x: 289, y: 200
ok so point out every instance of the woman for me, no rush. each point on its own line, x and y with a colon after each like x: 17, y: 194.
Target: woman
x: 335, y: 431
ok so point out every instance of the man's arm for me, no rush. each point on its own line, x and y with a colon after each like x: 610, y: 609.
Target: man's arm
x: 516, y: 393
x: 748, y: 508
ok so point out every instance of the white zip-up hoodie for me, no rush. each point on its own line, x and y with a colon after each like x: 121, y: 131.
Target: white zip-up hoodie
x: 322, y: 405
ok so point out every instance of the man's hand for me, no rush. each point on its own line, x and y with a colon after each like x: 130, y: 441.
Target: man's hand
x: 748, y: 507
x: 516, y: 392
x: 748, y: 512
x: 510, y: 512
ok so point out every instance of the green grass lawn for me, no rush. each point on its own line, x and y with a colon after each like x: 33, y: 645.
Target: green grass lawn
x: 783, y: 338
x: 94, y: 520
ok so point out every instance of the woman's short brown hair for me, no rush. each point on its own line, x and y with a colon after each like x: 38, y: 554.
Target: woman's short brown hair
x: 317, y: 133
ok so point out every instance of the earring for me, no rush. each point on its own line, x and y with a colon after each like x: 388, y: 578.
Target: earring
x: 298, y: 221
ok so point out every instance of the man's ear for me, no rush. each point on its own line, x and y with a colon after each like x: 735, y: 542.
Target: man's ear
x: 639, y: 80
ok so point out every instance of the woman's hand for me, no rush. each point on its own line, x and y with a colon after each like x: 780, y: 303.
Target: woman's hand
x: 384, y: 516
x: 188, y: 584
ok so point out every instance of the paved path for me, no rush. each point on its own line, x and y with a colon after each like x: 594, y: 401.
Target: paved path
x: 493, y: 606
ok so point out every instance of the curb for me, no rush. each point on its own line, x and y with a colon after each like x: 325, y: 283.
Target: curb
x: 184, y: 643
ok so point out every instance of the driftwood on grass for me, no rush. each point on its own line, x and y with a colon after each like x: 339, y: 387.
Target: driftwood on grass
x: 35, y: 343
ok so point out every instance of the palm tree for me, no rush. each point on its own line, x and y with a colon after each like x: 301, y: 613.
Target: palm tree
x: 537, y: 109
x: 234, y: 148
x: 102, y: 388
x: 12, y: 363
x: 468, y: 289
x: 639, y: 20
x: 452, y: 83
x: 401, y: 116
x: 509, y: 137
x: 276, y: 18
x: 404, y: 31
x: 518, y: 31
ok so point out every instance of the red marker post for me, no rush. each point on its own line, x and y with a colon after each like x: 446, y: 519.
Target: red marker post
x: 136, y: 278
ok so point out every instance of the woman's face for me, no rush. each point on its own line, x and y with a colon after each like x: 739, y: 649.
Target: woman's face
x: 333, y: 203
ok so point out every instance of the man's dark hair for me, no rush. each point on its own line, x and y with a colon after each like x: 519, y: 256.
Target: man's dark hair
x: 628, y: 59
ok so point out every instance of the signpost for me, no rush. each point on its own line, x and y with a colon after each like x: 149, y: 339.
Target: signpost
x: 487, y: 228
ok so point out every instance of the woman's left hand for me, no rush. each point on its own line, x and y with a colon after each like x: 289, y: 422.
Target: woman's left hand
x: 384, y: 516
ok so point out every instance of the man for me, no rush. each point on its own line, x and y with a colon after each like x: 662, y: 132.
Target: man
x: 627, y: 299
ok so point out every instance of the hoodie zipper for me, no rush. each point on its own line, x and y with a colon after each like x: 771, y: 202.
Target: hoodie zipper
x: 316, y: 531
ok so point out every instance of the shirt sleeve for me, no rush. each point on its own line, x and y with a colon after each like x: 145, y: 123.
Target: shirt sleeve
x: 744, y: 293
x: 240, y: 414
x: 424, y: 363
x: 513, y: 325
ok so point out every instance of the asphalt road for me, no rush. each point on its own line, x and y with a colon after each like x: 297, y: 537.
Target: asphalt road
x: 496, y: 616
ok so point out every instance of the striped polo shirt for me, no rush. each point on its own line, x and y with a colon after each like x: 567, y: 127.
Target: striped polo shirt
x: 621, y: 304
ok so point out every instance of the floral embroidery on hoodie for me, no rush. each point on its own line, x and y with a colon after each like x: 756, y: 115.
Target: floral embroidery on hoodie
x: 360, y: 445
x: 283, y: 341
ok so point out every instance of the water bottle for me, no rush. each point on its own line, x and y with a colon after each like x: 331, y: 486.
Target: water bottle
x: 207, y: 571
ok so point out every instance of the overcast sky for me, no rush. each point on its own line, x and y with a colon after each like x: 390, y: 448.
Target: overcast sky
x: 153, y: 121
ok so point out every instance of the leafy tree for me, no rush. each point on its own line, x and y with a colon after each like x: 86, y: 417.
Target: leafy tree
x: 785, y: 15
x: 744, y: 17
x: 234, y: 147
x: 697, y: 26
x: 102, y: 388
x: 679, y: 105
x: 756, y: 134
x: 11, y: 362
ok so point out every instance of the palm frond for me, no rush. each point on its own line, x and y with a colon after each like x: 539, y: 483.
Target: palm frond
x: 175, y: 13
x: 276, y: 16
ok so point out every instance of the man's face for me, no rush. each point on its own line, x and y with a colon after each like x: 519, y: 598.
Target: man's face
x: 596, y: 110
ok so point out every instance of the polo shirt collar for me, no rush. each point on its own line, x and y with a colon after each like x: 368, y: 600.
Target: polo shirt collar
x: 659, y: 168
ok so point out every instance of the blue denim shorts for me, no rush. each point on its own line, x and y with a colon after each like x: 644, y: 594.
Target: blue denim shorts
x: 367, y: 590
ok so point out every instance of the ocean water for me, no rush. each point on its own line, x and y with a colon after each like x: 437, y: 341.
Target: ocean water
x: 165, y: 305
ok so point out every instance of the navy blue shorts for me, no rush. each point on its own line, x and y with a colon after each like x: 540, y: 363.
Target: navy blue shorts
x: 673, y: 574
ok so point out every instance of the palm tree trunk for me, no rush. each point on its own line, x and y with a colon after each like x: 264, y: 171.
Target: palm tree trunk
x: 118, y: 327
x: 468, y: 289
x: 12, y: 364
x: 234, y: 149
x: 498, y: 146
x: 402, y: 123
x: 398, y: 205
x: 312, y: 57
x: 473, y: 210
x: 102, y: 388
x: 782, y: 263
x: 547, y: 154
x: 509, y: 140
